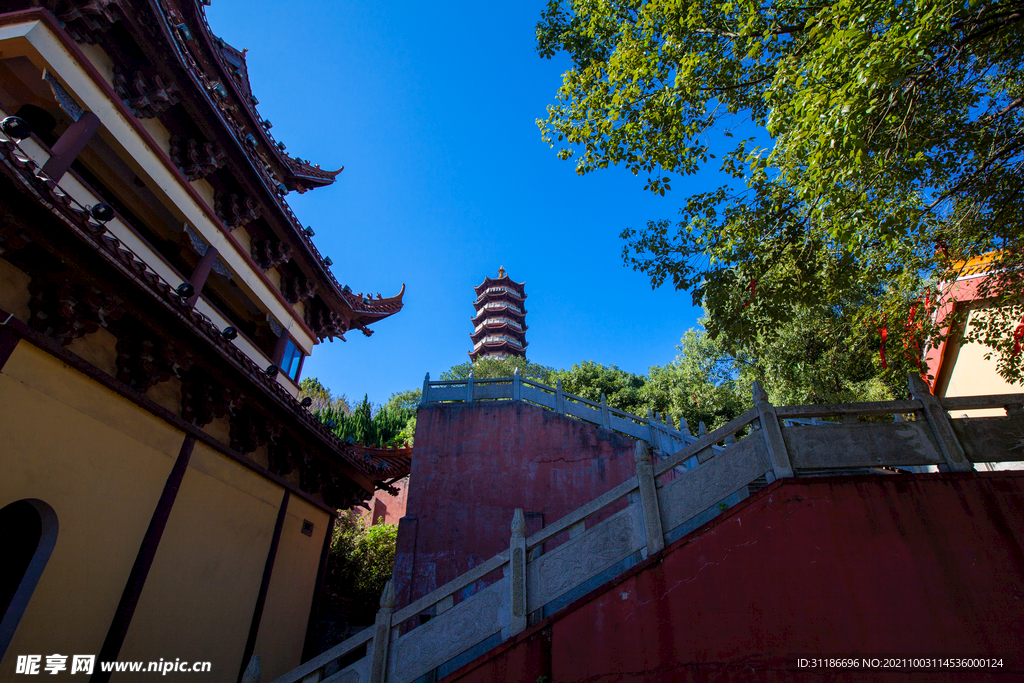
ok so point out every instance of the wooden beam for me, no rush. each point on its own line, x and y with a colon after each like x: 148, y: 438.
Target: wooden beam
x: 70, y: 145
x: 201, y: 273
x: 261, y: 597
x: 143, y: 562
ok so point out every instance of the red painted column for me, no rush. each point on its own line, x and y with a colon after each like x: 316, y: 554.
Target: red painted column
x: 70, y: 145
x: 201, y: 273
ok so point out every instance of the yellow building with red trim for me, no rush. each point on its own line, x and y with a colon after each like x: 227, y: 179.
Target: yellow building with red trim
x: 164, y: 494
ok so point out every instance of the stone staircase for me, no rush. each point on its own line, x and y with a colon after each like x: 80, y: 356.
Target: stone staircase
x: 706, y: 475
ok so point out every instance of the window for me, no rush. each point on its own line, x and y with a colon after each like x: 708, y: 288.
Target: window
x: 291, y: 360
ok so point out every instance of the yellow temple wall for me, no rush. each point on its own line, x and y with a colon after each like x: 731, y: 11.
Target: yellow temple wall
x: 290, y: 594
x: 199, y: 597
x: 101, y: 462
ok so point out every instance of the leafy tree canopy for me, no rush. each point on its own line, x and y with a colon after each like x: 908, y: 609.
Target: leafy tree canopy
x: 589, y: 379
x: 499, y: 367
x: 359, y: 564
x: 322, y: 396
x: 386, y: 426
x: 896, y: 150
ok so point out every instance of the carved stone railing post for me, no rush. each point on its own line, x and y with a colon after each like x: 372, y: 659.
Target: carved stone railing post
x: 559, y: 398
x: 708, y: 452
x: 382, y: 634
x: 652, y: 426
x: 648, y: 499
x: 425, y: 398
x: 938, y: 420
x: 517, y: 386
x: 517, y: 575
x: 469, y: 388
x: 606, y: 417
x: 777, y: 453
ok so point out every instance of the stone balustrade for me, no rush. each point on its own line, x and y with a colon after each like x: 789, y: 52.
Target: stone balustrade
x: 541, y: 573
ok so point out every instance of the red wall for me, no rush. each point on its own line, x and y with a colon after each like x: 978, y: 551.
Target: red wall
x: 845, y: 566
x: 474, y: 464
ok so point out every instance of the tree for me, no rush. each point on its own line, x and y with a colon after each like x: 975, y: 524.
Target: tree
x: 704, y: 383
x: 498, y: 367
x: 408, y: 402
x: 807, y: 361
x: 385, y: 426
x: 622, y: 390
x: 360, y: 562
x: 322, y: 397
x: 896, y: 148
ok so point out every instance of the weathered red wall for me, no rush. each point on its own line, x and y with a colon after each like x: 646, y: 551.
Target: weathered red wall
x: 385, y: 508
x: 474, y: 464
x: 848, y: 566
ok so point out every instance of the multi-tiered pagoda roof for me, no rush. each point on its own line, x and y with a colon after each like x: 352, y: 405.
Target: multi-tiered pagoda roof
x: 499, y: 325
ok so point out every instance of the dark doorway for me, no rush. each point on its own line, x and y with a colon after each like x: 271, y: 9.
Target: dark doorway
x: 28, y: 532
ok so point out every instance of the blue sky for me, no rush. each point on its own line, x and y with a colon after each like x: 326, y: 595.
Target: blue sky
x: 431, y: 109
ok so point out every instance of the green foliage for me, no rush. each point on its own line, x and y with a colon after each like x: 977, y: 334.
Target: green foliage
x: 361, y: 561
x: 808, y: 361
x: 405, y: 400
x: 322, y: 397
x: 588, y: 379
x: 388, y: 426
x: 897, y: 147
x: 499, y: 367
x: 703, y: 384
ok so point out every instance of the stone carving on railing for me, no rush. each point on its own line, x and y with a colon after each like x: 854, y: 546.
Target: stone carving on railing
x: 724, y: 466
x: 143, y: 98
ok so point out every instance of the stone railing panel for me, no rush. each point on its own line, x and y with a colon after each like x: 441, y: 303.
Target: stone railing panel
x: 356, y: 673
x: 631, y: 428
x: 491, y: 391
x: 583, y: 411
x: 991, y: 439
x: 867, y: 444
x: 540, y: 397
x: 452, y: 393
x: 709, y: 483
x: 446, y: 636
x: 583, y: 557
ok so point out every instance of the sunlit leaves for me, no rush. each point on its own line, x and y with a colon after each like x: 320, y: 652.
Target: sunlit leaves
x: 895, y: 127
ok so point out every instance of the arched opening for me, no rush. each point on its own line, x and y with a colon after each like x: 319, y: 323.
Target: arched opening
x: 28, y: 532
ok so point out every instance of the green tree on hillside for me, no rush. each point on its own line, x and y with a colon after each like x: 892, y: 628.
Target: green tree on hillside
x: 498, y: 367
x: 360, y: 562
x: 383, y: 427
x: 623, y: 390
x: 322, y: 396
x: 896, y: 151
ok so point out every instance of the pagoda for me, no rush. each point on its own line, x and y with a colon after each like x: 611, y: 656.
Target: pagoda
x: 499, y: 326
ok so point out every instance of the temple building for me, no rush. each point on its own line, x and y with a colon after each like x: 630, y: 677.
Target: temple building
x: 163, y: 492
x: 499, y: 325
